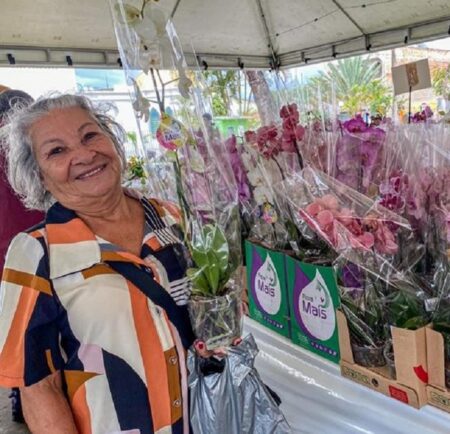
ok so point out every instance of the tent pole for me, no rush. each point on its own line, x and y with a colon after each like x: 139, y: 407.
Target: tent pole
x: 174, y: 10
x: 273, y: 54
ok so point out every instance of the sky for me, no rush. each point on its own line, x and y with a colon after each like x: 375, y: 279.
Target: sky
x: 99, y: 78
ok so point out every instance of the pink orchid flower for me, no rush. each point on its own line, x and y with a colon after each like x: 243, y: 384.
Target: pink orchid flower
x: 250, y: 136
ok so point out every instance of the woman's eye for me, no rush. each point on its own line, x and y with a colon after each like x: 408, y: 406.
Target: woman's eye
x: 90, y: 136
x: 55, y: 151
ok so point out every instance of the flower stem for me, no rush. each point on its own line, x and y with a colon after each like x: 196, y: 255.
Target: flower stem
x: 279, y: 168
x: 158, y: 95
x: 299, y: 156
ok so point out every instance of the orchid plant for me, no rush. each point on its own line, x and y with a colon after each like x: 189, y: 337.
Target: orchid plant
x: 210, y: 221
x: 359, y: 155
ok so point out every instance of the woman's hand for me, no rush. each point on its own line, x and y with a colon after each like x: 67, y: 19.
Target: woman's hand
x: 45, y: 407
x: 200, y: 348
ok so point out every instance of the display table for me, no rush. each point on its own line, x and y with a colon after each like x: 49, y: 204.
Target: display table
x: 317, y: 400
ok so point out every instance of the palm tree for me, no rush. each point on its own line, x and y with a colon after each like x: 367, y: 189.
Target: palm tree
x: 346, y: 74
x: 356, y: 82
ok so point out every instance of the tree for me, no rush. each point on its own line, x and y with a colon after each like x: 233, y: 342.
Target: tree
x: 440, y: 79
x: 356, y: 82
x: 222, y: 87
x: 263, y: 97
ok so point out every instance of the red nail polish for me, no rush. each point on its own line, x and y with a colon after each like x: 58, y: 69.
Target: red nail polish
x: 200, y: 345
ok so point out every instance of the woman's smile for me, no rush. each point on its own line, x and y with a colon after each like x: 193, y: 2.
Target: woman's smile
x: 91, y: 173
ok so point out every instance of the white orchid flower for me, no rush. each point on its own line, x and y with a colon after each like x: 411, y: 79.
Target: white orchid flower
x: 149, y: 57
x: 146, y: 30
x: 262, y: 195
x: 184, y: 84
x: 159, y: 20
x: 255, y: 178
x: 196, y: 161
x: 141, y: 105
x: 132, y: 14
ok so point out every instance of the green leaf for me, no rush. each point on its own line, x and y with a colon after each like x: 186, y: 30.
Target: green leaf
x: 200, y: 284
x: 210, y: 253
x: 221, y: 250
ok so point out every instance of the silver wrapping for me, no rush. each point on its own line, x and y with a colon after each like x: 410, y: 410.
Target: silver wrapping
x: 235, y: 401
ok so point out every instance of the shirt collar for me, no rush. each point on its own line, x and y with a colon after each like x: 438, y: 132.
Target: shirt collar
x: 71, y: 243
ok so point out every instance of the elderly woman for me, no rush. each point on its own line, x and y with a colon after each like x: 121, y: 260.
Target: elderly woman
x: 93, y: 324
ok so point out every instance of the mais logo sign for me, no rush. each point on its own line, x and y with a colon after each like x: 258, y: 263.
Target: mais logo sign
x: 267, y: 287
x: 316, y: 309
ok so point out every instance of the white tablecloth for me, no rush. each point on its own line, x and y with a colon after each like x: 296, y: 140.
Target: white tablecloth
x: 317, y: 400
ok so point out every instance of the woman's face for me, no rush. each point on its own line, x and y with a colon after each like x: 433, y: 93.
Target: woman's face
x: 78, y: 161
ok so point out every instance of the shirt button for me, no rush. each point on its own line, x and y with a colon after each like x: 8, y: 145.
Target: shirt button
x: 173, y: 360
x: 177, y: 403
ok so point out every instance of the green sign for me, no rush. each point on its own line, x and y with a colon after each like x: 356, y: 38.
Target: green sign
x: 266, y: 282
x: 313, y: 300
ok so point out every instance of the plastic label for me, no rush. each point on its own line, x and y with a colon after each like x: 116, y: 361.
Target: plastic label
x: 398, y: 394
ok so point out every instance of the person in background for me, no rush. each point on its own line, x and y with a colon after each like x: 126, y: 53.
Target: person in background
x: 14, y: 218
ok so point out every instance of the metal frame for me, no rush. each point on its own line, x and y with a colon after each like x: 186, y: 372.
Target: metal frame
x: 26, y: 56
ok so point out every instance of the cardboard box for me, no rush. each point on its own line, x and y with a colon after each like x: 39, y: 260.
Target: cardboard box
x: 437, y: 392
x: 410, y: 363
x: 266, y: 283
x: 313, y: 300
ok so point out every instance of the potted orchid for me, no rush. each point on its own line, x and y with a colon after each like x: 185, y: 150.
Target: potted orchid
x: 376, y: 291
x: 271, y: 154
x: 210, y: 220
x: 207, y: 196
x: 359, y: 155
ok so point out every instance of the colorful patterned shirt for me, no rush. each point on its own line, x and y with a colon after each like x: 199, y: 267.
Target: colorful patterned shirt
x: 116, y: 325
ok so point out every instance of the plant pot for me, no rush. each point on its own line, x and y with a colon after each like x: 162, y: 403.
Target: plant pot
x: 368, y: 356
x: 217, y: 321
x: 388, y: 354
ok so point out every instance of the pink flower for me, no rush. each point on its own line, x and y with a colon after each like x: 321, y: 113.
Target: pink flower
x: 313, y: 209
x: 329, y: 201
x: 355, y: 125
x: 299, y: 132
x: 367, y: 240
x: 250, y: 136
x: 325, y: 218
x: 290, y: 110
x: 288, y: 145
x: 385, y: 241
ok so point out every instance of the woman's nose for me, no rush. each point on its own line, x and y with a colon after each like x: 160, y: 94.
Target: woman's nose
x: 83, y: 155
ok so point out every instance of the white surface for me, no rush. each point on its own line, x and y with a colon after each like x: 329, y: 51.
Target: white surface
x: 220, y: 31
x: 317, y: 400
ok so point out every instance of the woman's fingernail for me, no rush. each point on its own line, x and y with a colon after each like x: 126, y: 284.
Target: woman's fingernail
x: 200, y: 346
x: 237, y: 341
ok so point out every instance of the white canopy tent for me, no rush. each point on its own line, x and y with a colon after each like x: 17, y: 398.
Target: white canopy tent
x: 222, y: 33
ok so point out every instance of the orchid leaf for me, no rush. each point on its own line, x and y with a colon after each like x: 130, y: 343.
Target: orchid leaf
x: 210, y: 253
x: 220, y: 248
x: 200, y: 285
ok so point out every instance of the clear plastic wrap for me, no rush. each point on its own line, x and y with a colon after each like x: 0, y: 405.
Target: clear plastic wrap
x: 374, y: 246
x: 195, y: 159
x: 355, y: 226
x: 272, y: 153
x: 217, y: 321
